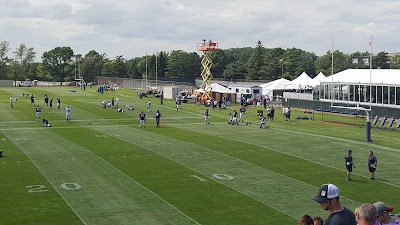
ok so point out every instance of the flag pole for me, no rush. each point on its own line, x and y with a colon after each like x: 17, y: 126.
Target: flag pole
x: 156, y: 71
x: 370, y: 75
x: 146, y: 70
x: 333, y: 89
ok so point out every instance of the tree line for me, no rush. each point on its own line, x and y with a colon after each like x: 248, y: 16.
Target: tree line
x: 258, y: 63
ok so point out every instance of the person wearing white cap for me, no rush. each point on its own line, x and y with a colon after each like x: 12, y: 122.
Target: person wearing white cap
x: 383, y: 214
x: 366, y: 214
x: 328, y: 198
x: 372, y: 163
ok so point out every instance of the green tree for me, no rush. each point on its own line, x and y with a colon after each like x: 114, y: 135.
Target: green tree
x: 220, y: 60
x: 92, y: 65
x: 58, y: 62
x: 381, y: 61
x: 119, y: 67
x: 183, y: 65
x: 23, y: 56
x: 235, y: 70
x: 109, y: 69
x: 4, y: 60
x: 395, y: 61
x: 256, y: 63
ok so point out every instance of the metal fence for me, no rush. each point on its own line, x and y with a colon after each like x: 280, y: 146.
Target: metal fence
x: 141, y: 84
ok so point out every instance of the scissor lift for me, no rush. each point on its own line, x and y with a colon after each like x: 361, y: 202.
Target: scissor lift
x: 207, y: 48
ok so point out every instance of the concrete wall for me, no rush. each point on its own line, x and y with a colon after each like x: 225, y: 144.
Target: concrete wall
x: 6, y: 83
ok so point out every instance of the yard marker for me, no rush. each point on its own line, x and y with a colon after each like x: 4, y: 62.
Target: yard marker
x: 162, y: 122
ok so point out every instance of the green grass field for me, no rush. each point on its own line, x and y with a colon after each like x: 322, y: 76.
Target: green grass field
x: 102, y: 169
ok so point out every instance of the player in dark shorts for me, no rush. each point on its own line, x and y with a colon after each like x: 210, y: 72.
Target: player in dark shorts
x: 32, y: 100
x: 372, y: 163
x: 349, y: 164
x: 158, y: 117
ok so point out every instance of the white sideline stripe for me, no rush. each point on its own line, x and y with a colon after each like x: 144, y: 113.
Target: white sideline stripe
x: 321, y: 136
x: 69, y: 205
x: 134, y: 181
x: 220, y: 182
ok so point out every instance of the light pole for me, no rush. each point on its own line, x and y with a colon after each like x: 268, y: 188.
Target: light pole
x: 78, y: 57
x: 281, y: 61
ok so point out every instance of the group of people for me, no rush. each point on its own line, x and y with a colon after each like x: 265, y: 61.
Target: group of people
x: 233, y: 117
x: 114, y: 103
x: 142, y: 119
x: 38, y: 110
x: 366, y: 214
x: 372, y: 164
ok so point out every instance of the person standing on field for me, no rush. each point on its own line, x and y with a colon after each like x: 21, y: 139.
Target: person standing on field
x: 206, y: 117
x: 142, y: 120
x: 11, y: 101
x: 158, y: 117
x: 372, y: 163
x: 349, y: 164
x: 68, y: 114
x: 58, y: 103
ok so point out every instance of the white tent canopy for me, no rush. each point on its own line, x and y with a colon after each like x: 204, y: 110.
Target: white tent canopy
x: 366, y: 76
x: 217, y: 88
x: 300, y: 82
x: 316, y: 80
x: 268, y: 88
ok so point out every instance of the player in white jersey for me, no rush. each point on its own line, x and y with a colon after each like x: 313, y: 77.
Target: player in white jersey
x: 68, y: 113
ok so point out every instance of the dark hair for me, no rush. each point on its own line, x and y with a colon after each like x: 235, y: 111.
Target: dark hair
x: 317, y: 218
x: 305, y: 220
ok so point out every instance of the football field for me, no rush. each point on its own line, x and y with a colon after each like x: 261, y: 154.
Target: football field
x: 101, y: 168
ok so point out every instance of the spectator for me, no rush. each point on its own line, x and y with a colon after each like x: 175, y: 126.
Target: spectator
x: 372, y: 163
x: 366, y: 214
x: 383, y: 215
x: 328, y: 198
x: 318, y: 220
x: 305, y: 220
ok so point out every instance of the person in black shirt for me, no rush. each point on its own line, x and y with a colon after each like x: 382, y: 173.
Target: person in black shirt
x: 58, y: 103
x: 372, y: 163
x: 32, y: 100
x: 328, y: 198
x: 349, y: 164
x: 158, y: 117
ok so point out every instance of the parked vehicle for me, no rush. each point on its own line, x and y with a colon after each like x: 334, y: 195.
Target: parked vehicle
x: 26, y: 83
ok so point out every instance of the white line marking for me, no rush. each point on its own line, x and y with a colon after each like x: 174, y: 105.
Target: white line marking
x: 73, y: 159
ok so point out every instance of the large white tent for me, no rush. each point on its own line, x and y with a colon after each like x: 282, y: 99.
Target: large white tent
x: 217, y: 88
x: 300, y: 82
x: 316, y: 80
x: 268, y: 88
x: 366, y: 76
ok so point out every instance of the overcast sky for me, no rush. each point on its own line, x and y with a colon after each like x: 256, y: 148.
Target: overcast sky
x: 133, y: 27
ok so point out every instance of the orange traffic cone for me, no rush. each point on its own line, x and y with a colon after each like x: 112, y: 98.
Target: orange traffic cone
x: 162, y: 122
